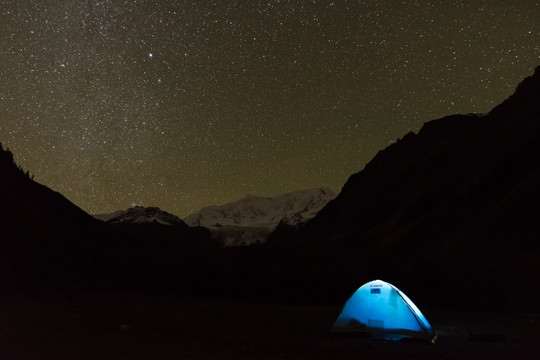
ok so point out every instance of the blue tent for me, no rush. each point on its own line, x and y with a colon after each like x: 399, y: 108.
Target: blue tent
x: 384, y: 311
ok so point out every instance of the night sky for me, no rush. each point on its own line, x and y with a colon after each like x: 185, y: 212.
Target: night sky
x: 184, y: 104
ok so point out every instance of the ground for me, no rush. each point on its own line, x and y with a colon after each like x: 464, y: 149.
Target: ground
x: 134, y: 326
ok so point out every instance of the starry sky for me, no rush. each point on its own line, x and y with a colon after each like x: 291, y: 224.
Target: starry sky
x: 184, y: 104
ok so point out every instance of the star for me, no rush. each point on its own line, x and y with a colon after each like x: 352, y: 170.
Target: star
x: 232, y: 97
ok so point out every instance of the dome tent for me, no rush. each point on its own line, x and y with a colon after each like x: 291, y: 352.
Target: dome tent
x: 381, y: 309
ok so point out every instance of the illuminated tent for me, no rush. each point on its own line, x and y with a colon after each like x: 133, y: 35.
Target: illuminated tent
x: 381, y: 309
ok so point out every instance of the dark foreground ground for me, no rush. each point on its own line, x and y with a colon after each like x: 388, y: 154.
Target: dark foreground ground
x: 123, y: 326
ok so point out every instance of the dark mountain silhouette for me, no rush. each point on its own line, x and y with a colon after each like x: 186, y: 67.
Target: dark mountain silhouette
x: 48, y: 243
x: 448, y: 214
x: 45, y: 239
x: 451, y: 212
x: 155, y: 225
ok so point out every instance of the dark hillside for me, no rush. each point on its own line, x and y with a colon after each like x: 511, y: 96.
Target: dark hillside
x: 45, y: 239
x: 48, y: 243
x: 450, y: 212
x: 449, y: 215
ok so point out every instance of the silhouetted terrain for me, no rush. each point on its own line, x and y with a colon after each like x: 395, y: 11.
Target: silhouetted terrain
x: 450, y: 212
x: 45, y: 240
x: 449, y: 215
x: 153, y: 225
x: 47, y: 243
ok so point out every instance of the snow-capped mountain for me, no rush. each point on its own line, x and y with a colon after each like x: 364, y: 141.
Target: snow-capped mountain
x: 140, y: 215
x: 155, y: 225
x: 252, y: 219
x: 254, y: 211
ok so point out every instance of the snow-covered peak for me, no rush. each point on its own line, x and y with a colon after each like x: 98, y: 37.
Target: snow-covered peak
x: 140, y: 215
x: 256, y: 211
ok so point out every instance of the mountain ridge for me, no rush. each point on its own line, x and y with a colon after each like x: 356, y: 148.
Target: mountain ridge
x: 449, y: 213
x: 456, y: 199
x: 252, y: 219
x: 140, y: 215
x: 258, y: 211
x: 156, y: 226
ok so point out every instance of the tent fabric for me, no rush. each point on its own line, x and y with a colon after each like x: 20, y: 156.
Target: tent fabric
x: 381, y: 309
